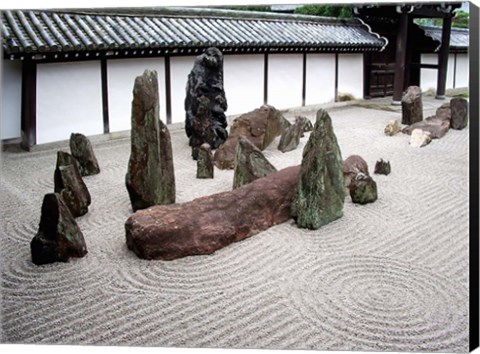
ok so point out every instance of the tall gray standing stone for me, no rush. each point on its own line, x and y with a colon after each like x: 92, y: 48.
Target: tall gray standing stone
x: 459, y: 108
x: 290, y: 137
x: 82, y: 150
x: 205, y: 161
x: 58, y: 237
x: 412, y: 106
x: 250, y: 163
x: 320, y: 195
x: 68, y: 183
x: 205, y: 102
x: 150, y: 177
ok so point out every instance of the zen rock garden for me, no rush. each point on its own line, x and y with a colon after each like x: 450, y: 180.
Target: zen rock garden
x: 312, y: 193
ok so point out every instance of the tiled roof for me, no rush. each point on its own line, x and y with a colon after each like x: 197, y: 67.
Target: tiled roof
x: 459, y: 37
x: 57, y: 31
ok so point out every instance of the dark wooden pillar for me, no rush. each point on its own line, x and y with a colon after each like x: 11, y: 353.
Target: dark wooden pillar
x: 29, y: 105
x: 304, y: 79
x: 400, y: 59
x: 443, y: 58
x: 336, y: 78
x: 168, y: 90
x: 367, y: 72
x: 265, y: 79
x: 106, y: 119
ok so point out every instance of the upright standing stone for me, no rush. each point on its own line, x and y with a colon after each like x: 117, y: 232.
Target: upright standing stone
x: 319, y: 196
x: 290, y: 137
x: 250, y: 164
x: 58, y: 237
x: 150, y: 177
x: 412, y: 107
x: 82, y: 150
x: 459, y: 107
x: 205, y: 161
x: 69, y: 184
x: 205, y: 103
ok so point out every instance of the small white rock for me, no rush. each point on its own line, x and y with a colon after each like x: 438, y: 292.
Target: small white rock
x: 393, y: 127
x: 420, y: 138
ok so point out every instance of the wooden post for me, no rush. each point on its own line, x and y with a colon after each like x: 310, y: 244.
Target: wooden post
x: 265, y: 79
x: 29, y: 105
x: 304, y: 79
x: 106, y: 119
x: 367, y: 71
x: 336, y: 78
x: 443, y: 58
x: 168, y: 90
x: 400, y: 57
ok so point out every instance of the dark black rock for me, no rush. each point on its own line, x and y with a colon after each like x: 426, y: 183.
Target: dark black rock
x: 58, y: 237
x: 150, y: 177
x: 82, y: 150
x: 205, y: 103
x: 69, y: 184
x: 382, y: 167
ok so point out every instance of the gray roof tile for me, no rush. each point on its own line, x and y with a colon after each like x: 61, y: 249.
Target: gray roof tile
x: 459, y: 37
x: 48, y: 31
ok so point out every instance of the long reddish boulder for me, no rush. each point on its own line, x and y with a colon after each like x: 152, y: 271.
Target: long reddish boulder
x: 207, y: 224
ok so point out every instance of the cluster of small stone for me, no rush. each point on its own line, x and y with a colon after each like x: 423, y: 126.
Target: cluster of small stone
x: 59, y: 237
x: 451, y: 115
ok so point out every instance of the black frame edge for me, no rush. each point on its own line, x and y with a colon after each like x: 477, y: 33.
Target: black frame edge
x: 474, y: 180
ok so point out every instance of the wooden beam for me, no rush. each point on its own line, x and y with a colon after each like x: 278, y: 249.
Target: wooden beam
x: 106, y: 120
x: 336, y: 78
x: 168, y: 90
x: 443, y: 58
x: 367, y: 72
x: 29, y: 105
x: 400, y: 57
x: 304, y: 79
x: 265, y: 79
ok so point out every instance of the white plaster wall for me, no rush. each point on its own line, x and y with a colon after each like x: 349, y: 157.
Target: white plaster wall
x: 320, y: 81
x: 69, y: 99
x: 285, y: 80
x: 450, y: 71
x: 463, y: 71
x: 350, y: 74
x: 121, y: 74
x: 243, y: 77
x: 11, y: 99
x: 180, y: 67
x: 428, y: 77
